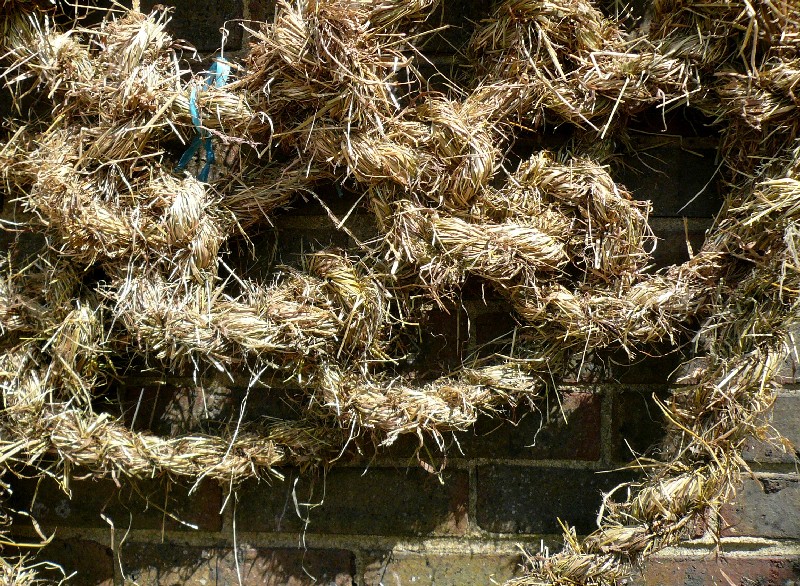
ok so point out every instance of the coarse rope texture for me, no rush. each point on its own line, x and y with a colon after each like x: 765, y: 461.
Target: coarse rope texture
x: 131, y: 272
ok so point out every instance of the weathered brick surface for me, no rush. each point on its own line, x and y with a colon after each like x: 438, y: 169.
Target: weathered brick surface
x: 380, y: 501
x: 209, y: 407
x: 260, y: 10
x: 201, y: 25
x: 363, y: 509
x: 491, y: 328
x: 675, y: 239
x: 402, y: 569
x: 293, y: 243
x: 637, y: 422
x: 521, y: 499
x: 690, y: 372
x: 89, y: 562
x: 21, y: 245
x: 790, y: 371
x: 567, y: 428
x: 766, y: 507
x: 172, y: 410
x: 459, y: 17
x: 140, y: 505
x: 722, y: 571
x: 655, y: 369
x: 295, y: 235
x: 454, y: 20
x: 785, y: 418
x: 174, y: 564
x: 304, y: 229
x: 443, y: 337
x: 671, y: 176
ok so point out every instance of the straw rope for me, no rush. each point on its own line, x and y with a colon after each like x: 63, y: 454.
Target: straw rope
x: 133, y: 267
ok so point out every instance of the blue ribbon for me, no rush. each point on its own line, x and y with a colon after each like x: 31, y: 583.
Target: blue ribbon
x: 218, y: 76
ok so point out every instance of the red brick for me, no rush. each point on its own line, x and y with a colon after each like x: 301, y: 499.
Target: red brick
x: 135, y: 504
x: 175, y: 564
x: 88, y: 561
x: 637, y: 422
x: 200, y: 26
x: 377, y: 501
x: 542, y: 435
x: 434, y: 569
x: 171, y: 410
x: 766, y: 507
x: 724, y: 571
x: 671, y: 177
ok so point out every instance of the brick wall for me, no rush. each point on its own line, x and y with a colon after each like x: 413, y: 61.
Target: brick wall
x: 383, y: 519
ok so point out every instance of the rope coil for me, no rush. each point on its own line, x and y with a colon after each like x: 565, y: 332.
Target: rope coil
x: 133, y: 270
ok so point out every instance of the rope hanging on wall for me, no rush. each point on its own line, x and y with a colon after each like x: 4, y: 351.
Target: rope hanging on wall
x: 132, y: 268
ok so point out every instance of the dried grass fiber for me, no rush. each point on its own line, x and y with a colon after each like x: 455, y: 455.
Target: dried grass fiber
x: 132, y: 268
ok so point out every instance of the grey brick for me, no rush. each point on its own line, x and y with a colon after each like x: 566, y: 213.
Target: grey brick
x: 375, y: 501
x: 174, y: 564
x: 435, y: 569
x: 765, y: 507
x: 142, y: 504
x: 785, y: 418
x: 521, y: 499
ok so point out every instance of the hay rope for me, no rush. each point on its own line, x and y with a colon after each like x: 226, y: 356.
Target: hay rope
x: 133, y: 266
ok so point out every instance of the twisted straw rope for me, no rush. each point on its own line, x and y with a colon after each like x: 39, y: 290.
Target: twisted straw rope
x: 322, y: 81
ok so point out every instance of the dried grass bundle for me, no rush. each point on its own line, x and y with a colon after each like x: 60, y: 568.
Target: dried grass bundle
x: 17, y: 312
x: 728, y: 31
x: 122, y: 70
x: 647, y: 313
x: 18, y: 573
x: 133, y: 266
x: 285, y: 326
x: 609, y: 232
x: 744, y: 334
x: 447, y: 248
x: 328, y: 73
x: 440, y: 151
x: 567, y: 60
x: 362, y: 301
x: 328, y: 63
x: 46, y: 426
x: 390, y: 408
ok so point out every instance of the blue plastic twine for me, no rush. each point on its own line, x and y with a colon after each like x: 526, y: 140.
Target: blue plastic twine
x: 218, y: 76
